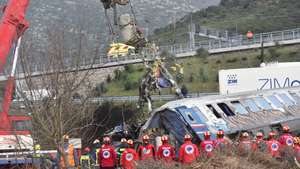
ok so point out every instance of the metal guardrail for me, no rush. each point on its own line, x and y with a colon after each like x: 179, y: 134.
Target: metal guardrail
x: 154, y: 97
x: 236, y: 41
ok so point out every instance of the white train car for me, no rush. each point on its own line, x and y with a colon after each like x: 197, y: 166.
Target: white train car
x: 252, y: 111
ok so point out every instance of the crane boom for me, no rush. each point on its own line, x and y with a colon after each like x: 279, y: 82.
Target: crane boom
x: 12, y: 25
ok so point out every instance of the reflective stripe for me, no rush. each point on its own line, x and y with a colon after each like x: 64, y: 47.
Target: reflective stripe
x: 97, y: 151
x: 85, y: 161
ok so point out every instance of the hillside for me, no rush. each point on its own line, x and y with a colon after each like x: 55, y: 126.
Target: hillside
x: 237, y: 16
x: 201, y: 71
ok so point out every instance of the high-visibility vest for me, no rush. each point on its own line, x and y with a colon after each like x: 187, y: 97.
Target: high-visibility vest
x: 85, y: 162
x: 70, y: 154
x: 37, y: 149
x: 97, y: 157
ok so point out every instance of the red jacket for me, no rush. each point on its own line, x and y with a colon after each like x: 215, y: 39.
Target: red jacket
x: 207, y: 147
x: 188, y: 152
x: 166, y: 152
x: 245, y: 146
x: 257, y: 142
x: 107, y: 156
x: 273, y: 147
x: 286, y: 140
x: 297, y: 151
x: 146, y: 152
x: 129, y: 158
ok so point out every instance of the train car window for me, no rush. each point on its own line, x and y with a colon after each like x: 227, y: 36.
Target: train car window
x: 211, y: 108
x: 263, y: 103
x: 252, y: 106
x: 200, y: 114
x: 286, y: 99
x: 275, y: 101
x: 239, y: 107
x: 295, y: 97
x: 226, y: 109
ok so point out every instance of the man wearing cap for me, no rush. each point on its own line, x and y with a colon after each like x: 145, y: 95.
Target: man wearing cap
x: 207, y: 145
x: 94, y: 154
x: 129, y: 156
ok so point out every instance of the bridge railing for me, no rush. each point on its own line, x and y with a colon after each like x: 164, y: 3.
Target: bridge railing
x: 236, y: 41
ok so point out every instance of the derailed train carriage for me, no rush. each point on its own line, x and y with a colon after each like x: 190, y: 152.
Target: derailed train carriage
x: 251, y: 111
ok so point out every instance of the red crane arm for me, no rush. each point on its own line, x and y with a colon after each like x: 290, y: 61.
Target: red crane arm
x: 12, y: 25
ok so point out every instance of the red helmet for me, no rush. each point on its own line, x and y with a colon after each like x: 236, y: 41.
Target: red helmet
x: 220, y: 133
x: 164, y: 138
x: 87, y: 150
x: 130, y: 142
x: 123, y: 140
x: 187, y: 137
x: 259, y: 134
x: 286, y: 129
x: 106, y: 140
x: 146, y: 138
x: 207, y: 135
x: 272, y: 134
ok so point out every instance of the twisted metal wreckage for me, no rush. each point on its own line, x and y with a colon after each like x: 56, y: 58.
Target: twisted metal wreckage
x: 156, y: 77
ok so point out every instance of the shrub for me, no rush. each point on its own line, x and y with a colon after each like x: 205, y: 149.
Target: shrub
x: 129, y: 68
x: 108, y: 79
x: 244, y: 59
x: 101, y: 89
x: 191, y: 78
x: 232, y: 60
x: 117, y: 73
x: 218, y: 62
x: 203, y: 75
x: 202, y: 52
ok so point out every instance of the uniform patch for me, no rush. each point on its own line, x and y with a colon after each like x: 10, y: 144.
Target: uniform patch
x: 274, y: 146
x: 166, y: 153
x: 209, y: 148
x: 146, y: 151
x: 289, y: 142
x: 129, y: 157
x: 189, y: 149
x: 106, y: 154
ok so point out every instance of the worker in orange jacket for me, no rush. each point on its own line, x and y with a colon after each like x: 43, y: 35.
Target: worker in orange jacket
x: 147, y: 150
x: 273, y: 145
x: 166, y: 152
x: 207, y: 145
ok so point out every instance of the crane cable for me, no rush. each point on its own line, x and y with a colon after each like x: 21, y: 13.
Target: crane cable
x: 133, y: 13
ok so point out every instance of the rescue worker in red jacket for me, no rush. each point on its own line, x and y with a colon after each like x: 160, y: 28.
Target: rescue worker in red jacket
x: 207, y: 145
x: 147, y: 150
x: 166, y: 152
x: 273, y: 145
x: 245, y: 144
x: 221, y: 144
x: 188, y: 152
x: 286, y: 139
x: 296, y: 148
x: 259, y: 143
x: 107, y: 155
x: 129, y: 156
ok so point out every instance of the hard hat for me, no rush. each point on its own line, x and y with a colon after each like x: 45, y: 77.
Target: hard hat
x: 96, y: 141
x: 259, y: 134
x: 87, y: 149
x: 207, y: 134
x: 146, y: 138
x: 272, y: 134
x: 245, y: 134
x: 66, y: 137
x: 164, y: 138
x: 130, y: 142
x: 187, y: 137
x: 220, y: 133
x: 286, y: 128
x: 123, y: 140
x: 106, y: 140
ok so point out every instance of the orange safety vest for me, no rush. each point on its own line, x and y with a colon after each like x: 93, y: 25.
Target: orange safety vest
x: 70, y: 154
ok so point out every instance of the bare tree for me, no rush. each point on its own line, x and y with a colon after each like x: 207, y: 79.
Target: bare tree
x: 59, y: 98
